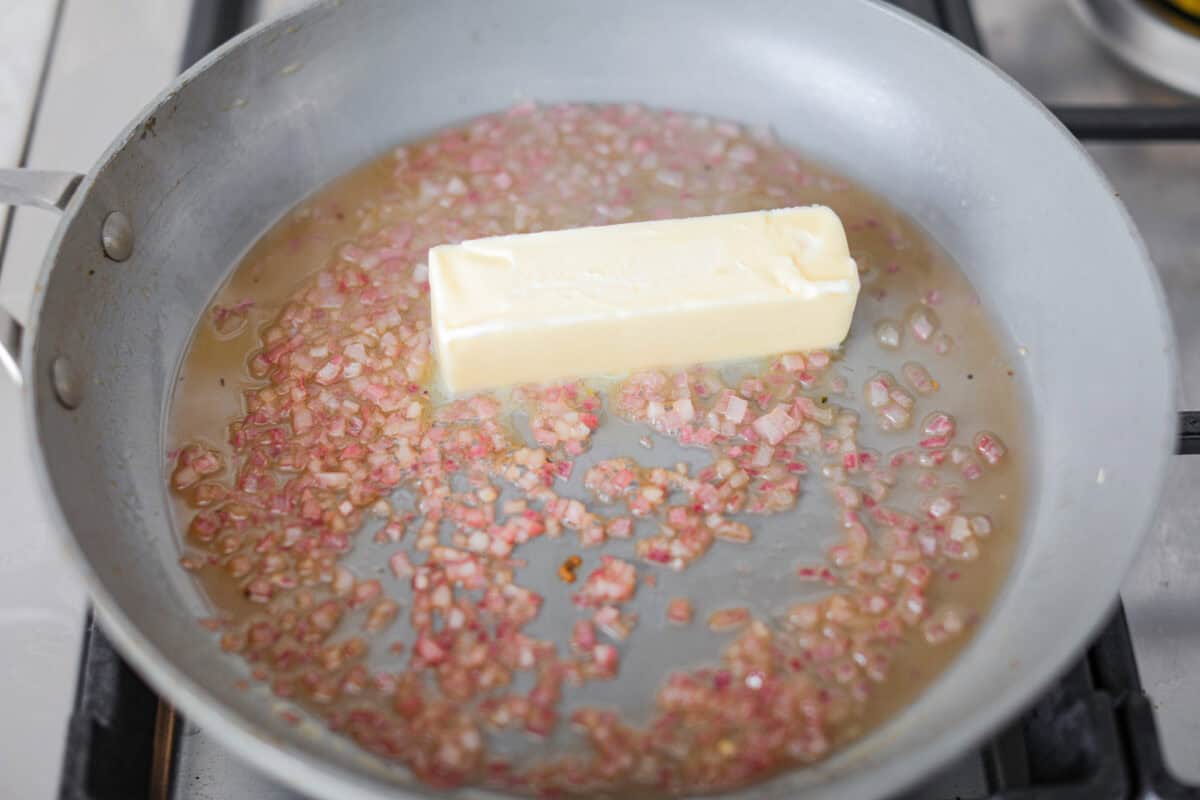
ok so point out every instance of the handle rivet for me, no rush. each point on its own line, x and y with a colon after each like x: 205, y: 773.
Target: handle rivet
x: 117, y: 236
x: 66, y: 385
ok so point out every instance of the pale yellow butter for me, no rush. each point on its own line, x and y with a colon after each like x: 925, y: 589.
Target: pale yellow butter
x: 609, y: 300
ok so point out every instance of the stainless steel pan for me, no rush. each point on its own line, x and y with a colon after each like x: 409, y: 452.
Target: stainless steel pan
x: 150, y: 232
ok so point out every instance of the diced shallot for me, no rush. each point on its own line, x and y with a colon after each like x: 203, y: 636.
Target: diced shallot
x: 727, y: 619
x: 888, y: 334
x: 679, y: 611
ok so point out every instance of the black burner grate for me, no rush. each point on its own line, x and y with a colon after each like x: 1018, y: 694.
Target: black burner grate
x: 1091, y: 736
x: 119, y: 735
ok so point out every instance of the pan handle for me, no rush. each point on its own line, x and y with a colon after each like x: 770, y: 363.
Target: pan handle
x: 38, y: 189
x: 1189, y: 433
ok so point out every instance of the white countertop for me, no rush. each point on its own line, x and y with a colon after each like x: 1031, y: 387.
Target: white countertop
x: 111, y: 57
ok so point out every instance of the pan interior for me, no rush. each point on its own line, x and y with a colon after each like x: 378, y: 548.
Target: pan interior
x: 905, y: 277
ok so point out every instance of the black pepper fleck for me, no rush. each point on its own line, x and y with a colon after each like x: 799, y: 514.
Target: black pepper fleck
x: 91, y: 272
x: 222, y: 380
x: 970, y: 377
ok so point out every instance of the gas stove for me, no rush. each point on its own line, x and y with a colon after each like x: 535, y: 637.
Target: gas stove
x: 1124, y: 721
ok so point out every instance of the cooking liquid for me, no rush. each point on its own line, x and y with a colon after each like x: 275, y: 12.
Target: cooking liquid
x: 554, y: 168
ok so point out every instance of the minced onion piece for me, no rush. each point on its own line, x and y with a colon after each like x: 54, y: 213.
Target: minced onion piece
x: 888, y: 334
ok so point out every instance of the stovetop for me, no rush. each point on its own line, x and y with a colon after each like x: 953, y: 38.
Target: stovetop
x: 1124, y: 722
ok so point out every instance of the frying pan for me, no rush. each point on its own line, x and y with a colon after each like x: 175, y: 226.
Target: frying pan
x: 149, y: 234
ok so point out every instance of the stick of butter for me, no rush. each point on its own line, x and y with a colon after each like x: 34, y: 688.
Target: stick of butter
x: 613, y: 299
